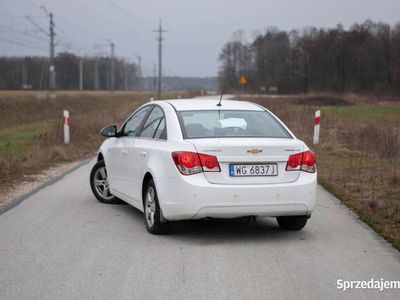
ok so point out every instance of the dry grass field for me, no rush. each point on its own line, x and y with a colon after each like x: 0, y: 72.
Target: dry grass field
x: 359, y: 152
x: 31, y: 129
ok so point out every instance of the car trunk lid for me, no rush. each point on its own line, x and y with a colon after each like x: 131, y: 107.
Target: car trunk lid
x: 232, y: 152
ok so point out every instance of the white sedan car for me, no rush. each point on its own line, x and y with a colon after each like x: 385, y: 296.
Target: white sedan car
x: 192, y: 159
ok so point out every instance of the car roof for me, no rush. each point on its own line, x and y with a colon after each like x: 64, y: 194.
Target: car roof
x: 211, y: 104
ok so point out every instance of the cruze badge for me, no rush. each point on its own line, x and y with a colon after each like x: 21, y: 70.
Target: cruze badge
x: 254, y: 151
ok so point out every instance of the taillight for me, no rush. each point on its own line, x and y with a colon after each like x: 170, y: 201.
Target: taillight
x: 294, y: 162
x: 209, y: 163
x: 189, y: 163
x: 309, y: 161
x: 304, y: 161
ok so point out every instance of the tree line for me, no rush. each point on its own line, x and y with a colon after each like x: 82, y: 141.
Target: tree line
x: 31, y: 72
x: 364, y: 58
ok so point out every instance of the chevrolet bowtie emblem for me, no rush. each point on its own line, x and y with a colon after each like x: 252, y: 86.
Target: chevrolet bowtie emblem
x: 254, y: 151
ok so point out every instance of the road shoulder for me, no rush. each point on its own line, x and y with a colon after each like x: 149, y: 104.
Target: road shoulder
x: 17, y: 192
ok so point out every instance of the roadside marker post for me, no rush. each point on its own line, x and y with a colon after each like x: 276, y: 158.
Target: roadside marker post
x: 317, y: 122
x: 66, y: 127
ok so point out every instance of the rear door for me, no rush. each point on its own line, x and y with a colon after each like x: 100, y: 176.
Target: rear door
x: 140, y: 152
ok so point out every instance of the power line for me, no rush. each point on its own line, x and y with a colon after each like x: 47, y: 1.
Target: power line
x: 77, y: 27
x: 40, y: 7
x: 125, y: 13
x: 31, y: 3
x: 19, y: 16
x: 25, y: 33
x: 111, y: 21
x: 66, y: 35
x: 23, y: 37
x: 21, y: 23
x: 51, y: 34
x: 70, y: 40
x: 37, y: 25
x: 71, y: 47
x: 22, y: 44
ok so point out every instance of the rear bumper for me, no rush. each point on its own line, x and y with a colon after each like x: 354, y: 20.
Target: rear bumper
x: 193, y: 197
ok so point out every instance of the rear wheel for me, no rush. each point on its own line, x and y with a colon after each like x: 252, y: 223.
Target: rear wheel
x: 152, y: 211
x: 100, y: 186
x: 292, y: 222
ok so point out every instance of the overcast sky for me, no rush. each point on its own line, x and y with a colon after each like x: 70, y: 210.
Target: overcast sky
x: 197, y: 30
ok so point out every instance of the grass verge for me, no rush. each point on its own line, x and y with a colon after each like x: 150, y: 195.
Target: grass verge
x: 31, y: 128
x: 358, y: 155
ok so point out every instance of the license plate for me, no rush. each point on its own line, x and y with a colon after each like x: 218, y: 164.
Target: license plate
x: 253, y: 170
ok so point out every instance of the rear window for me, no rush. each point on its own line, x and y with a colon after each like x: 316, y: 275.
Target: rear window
x: 230, y: 123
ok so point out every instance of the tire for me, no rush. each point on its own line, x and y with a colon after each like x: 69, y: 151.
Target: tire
x: 152, y: 211
x: 292, y: 222
x: 100, y: 186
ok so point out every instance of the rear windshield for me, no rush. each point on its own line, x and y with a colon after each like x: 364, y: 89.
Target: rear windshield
x: 230, y: 123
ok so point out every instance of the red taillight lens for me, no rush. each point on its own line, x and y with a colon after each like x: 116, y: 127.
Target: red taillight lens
x: 189, y: 163
x: 294, y: 162
x: 304, y: 161
x: 309, y: 161
x: 209, y: 163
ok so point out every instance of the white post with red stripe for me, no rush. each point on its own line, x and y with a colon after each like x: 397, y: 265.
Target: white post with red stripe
x: 66, y: 127
x: 317, y: 122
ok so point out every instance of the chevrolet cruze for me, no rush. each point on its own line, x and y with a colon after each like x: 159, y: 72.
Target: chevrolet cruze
x: 192, y: 159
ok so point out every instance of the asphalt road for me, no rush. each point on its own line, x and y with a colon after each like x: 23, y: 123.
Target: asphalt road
x: 61, y: 243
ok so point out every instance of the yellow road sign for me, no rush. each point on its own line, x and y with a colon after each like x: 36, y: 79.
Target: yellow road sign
x: 242, y: 80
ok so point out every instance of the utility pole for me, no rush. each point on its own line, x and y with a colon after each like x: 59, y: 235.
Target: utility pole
x: 24, y: 75
x: 96, y: 73
x: 160, y: 31
x: 112, y: 75
x: 125, y: 76
x: 51, y: 34
x: 80, y: 73
x: 154, y: 76
x: 140, y: 64
x: 140, y: 72
x: 52, y: 69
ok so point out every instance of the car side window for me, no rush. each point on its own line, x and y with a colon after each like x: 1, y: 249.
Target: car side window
x: 132, y: 126
x: 152, y: 123
x: 161, y: 132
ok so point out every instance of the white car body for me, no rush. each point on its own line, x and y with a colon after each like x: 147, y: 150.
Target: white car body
x: 130, y: 161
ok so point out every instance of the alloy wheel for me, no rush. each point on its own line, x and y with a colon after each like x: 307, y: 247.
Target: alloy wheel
x: 150, y: 206
x: 101, y: 184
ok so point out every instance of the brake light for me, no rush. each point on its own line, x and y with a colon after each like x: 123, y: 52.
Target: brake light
x: 309, y: 161
x: 209, y: 163
x: 294, y: 162
x: 304, y: 161
x: 189, y: 163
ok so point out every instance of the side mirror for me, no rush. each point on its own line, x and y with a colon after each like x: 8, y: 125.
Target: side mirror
x: 109, y: 131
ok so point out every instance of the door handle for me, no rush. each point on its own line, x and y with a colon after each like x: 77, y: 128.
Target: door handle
x: 124, y: 153
x: 143, y: 153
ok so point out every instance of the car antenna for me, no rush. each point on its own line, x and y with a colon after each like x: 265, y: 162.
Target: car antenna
x: 222, y: 94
